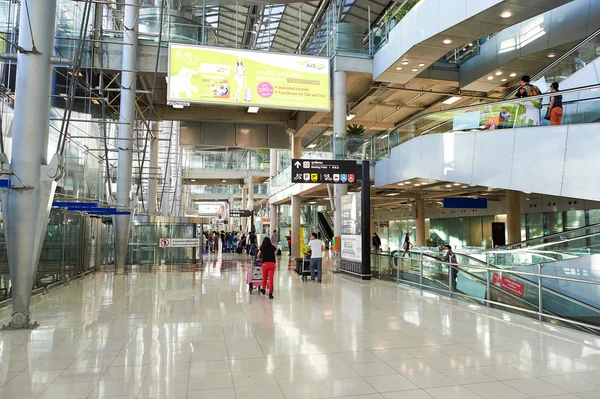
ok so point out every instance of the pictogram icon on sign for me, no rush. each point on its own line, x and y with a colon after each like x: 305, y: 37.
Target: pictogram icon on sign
x: 164, y: 243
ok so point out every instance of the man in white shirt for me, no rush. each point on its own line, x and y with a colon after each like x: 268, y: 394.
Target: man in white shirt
x: 316, y: 257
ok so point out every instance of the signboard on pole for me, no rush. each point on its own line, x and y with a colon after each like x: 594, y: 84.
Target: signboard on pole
x: 351, y: 234
x: 178, y: 242
x: 217, y: 75
x: 325, y: 171
x: 242, y: 213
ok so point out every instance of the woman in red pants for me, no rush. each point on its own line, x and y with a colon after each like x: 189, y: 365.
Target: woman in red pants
x: 266, y: 253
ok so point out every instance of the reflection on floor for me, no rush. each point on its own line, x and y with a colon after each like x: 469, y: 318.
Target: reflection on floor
x: 201, y: 335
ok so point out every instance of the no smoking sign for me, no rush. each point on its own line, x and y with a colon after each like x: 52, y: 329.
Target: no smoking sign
x: 164, y: 243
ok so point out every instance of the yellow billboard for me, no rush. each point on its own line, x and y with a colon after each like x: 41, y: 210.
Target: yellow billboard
x: 199, y: 74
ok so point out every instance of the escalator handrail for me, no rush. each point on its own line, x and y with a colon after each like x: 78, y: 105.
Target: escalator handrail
x: 549, y: 236
x: 535, y: 284
x: 500, y: 101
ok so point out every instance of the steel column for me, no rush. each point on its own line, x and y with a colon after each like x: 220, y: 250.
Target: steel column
x: 127, y: 125
x: 153, y: 173
x: 26, y: 210
x: 296, y: 226
x: 251, y: 199
x: 166, y: 195
x: 340, y: 97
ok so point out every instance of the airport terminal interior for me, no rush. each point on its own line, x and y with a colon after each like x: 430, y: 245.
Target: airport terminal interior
x: 368, y: 199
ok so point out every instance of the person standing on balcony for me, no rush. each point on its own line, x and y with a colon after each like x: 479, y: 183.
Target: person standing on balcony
x: 556, y: 106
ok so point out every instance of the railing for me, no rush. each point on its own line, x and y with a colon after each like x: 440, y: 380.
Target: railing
x: 580, y: 105
x: 380, y: 33
x: 222, y: 165
x: 472, y: 280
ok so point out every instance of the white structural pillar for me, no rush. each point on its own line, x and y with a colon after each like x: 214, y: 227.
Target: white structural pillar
x: 274, y: 171
x: 178, y: 184
x: 127, y: 125
x: 26, y: 211
x: 420, y: 222
x: 251, y: 199
x: 166, y: 191
x: 296, y: 226
x: 153, y: 172
x: 513, y: 216
x: 340, y: 99
x: 244, y: 206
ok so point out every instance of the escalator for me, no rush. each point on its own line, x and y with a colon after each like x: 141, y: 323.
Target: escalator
x: 325, y: 226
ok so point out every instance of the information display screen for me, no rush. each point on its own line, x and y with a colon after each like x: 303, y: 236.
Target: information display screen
x: 351, y: 233
x: 200, y: 74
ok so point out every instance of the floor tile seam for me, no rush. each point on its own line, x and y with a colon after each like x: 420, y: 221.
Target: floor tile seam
x: 455, y: 304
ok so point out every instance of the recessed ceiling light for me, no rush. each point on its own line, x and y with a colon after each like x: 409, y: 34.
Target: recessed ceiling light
x: 504, y: 80
x: 417, y: 184
x: 399, y: 68
x: 457, y: 184
x: 415, y: 70
x: 193, y: 180
x: 551, y: 55
x: 312, y: 145
x: 392, y: 194
x: 506, y: 14
x: 472, y: 185
x: 312, y: 202
x: 349, y: 117
x: 253, y: 110
x: 499, y: 73
x: 404, y: 62
x: 470, y: 44
x: 464, y: 186
x: 421, y: 64
x: 490, y: 78
x: 223, y: 181
x: 449, y: 186
x: 447, y: 41
x: 400, y: 184
x: 407, y: 182
x: 512, y: 75
x: 451, y: 100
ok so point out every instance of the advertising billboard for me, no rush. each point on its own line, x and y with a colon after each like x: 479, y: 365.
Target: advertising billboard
x: 213, y: 75
x: 351, y: 233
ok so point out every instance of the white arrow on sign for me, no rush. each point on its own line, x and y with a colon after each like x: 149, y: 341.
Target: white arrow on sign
x: 298, y: 164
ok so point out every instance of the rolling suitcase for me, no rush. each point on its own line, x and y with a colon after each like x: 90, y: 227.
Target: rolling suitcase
x: 239, y: 250
x: 247, y: 95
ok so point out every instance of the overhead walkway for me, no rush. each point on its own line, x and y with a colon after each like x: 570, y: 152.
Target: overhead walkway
x: 433, y: 27
x: 471, y: 146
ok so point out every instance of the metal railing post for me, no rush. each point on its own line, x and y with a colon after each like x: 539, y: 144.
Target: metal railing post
x: 450, y: 281
x: 540, y: 293
x: 421, y: 271
x: 488, y: 284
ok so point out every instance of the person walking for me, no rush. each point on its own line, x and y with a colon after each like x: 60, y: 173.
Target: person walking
x: 274, y: 238
x: 376, y: 242
x: 252, y: 243
x: 316, y: 257
x: 289, y: 241
x: 266, y: 254
x: 450, y: 257
x: 407, y: 244
x: 556, y: 106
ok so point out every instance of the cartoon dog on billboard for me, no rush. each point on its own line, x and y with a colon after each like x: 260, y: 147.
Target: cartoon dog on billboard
x: 182, y: 83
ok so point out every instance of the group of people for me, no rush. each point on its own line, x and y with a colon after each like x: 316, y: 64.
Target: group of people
x: 226, y: 241
x: 555, y: 108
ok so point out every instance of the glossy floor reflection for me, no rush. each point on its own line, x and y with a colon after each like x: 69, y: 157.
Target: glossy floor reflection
x: 201, y: 335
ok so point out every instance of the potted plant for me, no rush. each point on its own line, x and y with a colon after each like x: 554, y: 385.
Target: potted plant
x: 354, y: 138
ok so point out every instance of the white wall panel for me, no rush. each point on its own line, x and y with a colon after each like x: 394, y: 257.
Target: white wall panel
x: 541, y: 172
x: 581, y: 167
x: 493, y: 152
x: 457, y: 161
x: 536, y: 164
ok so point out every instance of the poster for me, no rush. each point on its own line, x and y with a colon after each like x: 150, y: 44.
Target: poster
x: 199, y: 74
x: 507, y: 284
x: 351, y: 239
x: 524, y: 113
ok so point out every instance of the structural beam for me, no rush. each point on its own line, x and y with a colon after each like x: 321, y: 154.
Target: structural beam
x: 26, y: 207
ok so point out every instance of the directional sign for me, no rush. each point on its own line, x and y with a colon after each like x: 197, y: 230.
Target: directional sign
x: 325, y: 171
x: 178, y: 242
x: 242, y: 213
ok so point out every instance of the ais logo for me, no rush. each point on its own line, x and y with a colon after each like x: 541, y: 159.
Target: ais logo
x: 312, y: 65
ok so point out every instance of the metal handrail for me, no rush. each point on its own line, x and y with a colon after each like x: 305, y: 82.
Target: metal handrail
x: 551, y: 236
x: 501, y: 101
x: 488, y: 301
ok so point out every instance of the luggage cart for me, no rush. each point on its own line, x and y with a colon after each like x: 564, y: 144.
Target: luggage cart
x: 303, y: 267
x: 255, y: 276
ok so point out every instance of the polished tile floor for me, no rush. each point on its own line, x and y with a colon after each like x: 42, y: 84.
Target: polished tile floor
x: 201, y: 335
